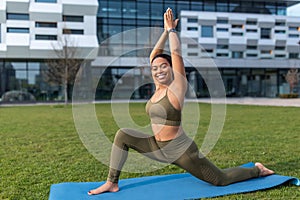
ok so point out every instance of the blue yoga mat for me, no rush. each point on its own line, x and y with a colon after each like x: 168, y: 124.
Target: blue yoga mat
x: 175, y: 187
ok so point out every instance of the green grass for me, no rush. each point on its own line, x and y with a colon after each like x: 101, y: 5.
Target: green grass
x: 39, y: 146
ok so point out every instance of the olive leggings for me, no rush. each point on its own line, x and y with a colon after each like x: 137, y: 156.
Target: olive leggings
x: 181, y: 151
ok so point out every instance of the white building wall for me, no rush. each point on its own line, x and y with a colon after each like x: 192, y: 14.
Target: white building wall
x: 243, y: 33
x: 21, y: 38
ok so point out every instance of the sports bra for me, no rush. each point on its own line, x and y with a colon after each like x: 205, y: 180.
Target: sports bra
x: 163, y: 112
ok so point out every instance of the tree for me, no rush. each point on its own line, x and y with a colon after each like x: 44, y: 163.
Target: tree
x: 63, y: 69
x: 292, y: 77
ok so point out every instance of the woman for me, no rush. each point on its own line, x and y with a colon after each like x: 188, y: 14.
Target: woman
x: 169, y: 143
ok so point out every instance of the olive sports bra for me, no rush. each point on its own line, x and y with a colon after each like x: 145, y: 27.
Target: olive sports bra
x: 163, y: 112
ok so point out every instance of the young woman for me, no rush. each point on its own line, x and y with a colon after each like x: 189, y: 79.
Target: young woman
x: 169, y: 142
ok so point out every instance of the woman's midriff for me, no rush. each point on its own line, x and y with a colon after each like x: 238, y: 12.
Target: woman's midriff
x: 165, y: 133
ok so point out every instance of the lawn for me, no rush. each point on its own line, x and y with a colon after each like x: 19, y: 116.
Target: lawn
x: 40, y: 147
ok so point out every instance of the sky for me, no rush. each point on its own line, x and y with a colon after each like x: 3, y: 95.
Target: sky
x: 294, y: 10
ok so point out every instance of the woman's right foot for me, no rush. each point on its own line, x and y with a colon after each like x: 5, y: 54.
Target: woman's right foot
x: 263, y: 171
x: 106, y: 187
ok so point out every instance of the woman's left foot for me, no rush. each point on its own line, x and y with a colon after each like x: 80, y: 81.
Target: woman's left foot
x: 263, y: 171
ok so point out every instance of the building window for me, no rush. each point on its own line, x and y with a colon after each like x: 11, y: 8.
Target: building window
x: 251, y: 47
x: 293, y: 28
x: 222, y: 29
x: 266, y: 52
x: 192, y: 20
x: 72, y: 18
x: 46, y: 37
x: 265, y: 33
x: 73, y: 31
x: 45, y: 24
x: 46, y: 1
x: 223, y: 55
x: 17, y: 16
x: 207, y: 50
x: 222, y: 21
x: 293, y: 35
x: 222, y: 46
x: 280, y: 48
x: 293, y: 55
x: 251, y: 22
x: 192, y: 54
x: 280, y: 55
x: 207, y: 31
x: 17, y: 30
x: 237, y: 54
x: 192, y: 28
x: 251, y: 55
x: 192, y: 46
x: 251, y: 31
x: 222, y: 6
x: 237, y: 34
x: 279, y: 23
x: 279, y: 31
x: 237, y: 26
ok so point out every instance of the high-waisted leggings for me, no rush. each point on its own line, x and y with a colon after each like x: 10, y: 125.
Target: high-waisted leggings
x: 181, y: 151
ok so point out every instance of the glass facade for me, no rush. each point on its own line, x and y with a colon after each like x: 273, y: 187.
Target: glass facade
x: 27, y: 76
x: 117, y: 16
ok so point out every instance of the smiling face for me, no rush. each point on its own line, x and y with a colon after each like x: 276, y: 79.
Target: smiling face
x: 161, y: 71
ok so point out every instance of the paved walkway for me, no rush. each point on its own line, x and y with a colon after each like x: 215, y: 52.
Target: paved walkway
x: 257, y: 101
x: 241, y: 101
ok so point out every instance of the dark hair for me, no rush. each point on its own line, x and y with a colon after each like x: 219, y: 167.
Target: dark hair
x: 162, y: 55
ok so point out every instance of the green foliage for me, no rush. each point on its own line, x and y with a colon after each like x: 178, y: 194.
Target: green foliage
x: 39, y: 146
x: 288, y: 96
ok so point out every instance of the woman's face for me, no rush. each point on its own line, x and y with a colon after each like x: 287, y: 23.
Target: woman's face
x: 161, y: 71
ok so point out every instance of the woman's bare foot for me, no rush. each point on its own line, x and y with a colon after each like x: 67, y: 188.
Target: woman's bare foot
x: 106, y: 187
x: 263, y: 171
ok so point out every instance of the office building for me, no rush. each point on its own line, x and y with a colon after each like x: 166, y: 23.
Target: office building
x: 253, y: 43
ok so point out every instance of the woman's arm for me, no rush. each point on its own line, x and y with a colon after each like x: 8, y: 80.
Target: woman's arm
x: 179, y: 84
x: 160, y: 45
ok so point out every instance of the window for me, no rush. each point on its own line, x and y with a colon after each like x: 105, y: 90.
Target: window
x: 237, y: 34
x: 280, y: 48
x: 237, y: 54
x: 71, y: 18
x: 207, y: 31
x: 17, y: 16
x: 45, y: 24
x: 222, y: 29
x: 222, y: 55
x: 192, y: 46
x: 293, y: 35
x: 279, y: 23
x: 192, y: 54
x: 222, y: 46
x: 46, y: 1
x: 192, y: 28
x: 192, y: 20
x: 207, y: 50
x: 17, y: 30
x: 266, y: 51
x: 251, y: 47
x: 294, y: 55
x: 280, y: 56
x: 293, y: 28
x: 251, y: 55
x: 73, y: 31
x: 46, y: 37
x: 251, y: 31
x: 279, y: 31
x: 251, y: 22
x: 236, y: 26
x: 222, y: 21
x: 265, y: 33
